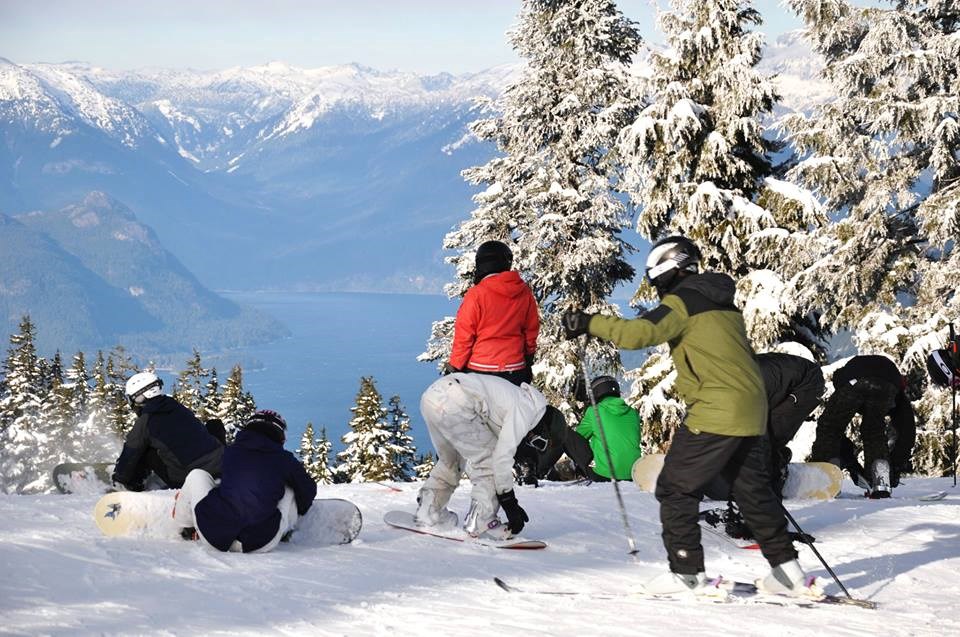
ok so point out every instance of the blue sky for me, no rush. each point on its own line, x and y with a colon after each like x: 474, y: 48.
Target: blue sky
x: 425, y: 36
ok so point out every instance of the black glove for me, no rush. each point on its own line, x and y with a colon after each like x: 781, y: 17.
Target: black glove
x: 516, y: 516
x: 575, y: 323
x: 448, y: 369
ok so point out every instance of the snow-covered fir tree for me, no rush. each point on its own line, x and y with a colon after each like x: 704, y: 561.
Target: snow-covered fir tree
x: 78, y: 382
x: 405, y: 451
x: 550, y: 193
x: 424, y: 465
x: 697, y: 164
x: 884, y: 156
x: 22, y: 441
x: 314, y: 453
x: 210, y: 406
x: 191, y: 383
x: 119, y: 368
x: 236, y: 405
x: 369, y: 452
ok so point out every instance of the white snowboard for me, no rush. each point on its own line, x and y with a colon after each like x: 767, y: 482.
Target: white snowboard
x: 805, y: 480
x: 404, y: 520
x: 150, y: 514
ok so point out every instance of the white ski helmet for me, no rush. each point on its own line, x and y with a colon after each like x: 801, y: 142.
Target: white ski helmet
x: 142, y: 386
x: 668, y: 258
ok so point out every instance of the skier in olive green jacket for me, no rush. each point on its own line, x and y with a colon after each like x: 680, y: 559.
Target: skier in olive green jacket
x: 725, y: 424
x: 621, y: 428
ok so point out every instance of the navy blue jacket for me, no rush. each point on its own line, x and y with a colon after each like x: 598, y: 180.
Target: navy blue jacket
x: 256, y: 470
x: 179, y: 439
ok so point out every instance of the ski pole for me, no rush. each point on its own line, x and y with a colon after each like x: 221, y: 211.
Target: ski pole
x: 953, y: 394
x: 816, y: 552
x: 606, y: 448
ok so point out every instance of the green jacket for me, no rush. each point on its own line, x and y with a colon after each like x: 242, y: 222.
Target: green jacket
x: 621, y: 427
x: 717, y: 375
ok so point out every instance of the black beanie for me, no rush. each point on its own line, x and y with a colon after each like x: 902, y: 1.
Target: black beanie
x: 492, y: 257
x: 268, y: 423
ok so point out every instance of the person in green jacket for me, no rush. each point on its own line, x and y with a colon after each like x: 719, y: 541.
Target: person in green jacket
x: 621, y: 428
x: 725, y: 424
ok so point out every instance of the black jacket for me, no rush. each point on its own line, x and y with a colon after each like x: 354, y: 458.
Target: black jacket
x: 178, y: 437
x: 256, y: 470
x: 873, y: 367
x: 785, y: 374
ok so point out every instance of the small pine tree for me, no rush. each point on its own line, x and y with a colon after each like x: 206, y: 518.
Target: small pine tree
x: 236, y: 405
x: 210, y: 406
x: 424, y: 465
x: 368, y: 456
x: 404, y: 449
x: 314, y: 453
x: 191, y: 383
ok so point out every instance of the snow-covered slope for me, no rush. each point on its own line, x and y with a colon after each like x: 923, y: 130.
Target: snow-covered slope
x: 62, y: 578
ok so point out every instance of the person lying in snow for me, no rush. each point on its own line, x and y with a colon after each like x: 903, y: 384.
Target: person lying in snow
x: 263, y: 492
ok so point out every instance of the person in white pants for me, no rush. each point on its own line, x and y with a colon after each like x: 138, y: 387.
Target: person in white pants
x: 476, y: 422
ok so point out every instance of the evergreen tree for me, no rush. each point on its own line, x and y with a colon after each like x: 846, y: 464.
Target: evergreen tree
x: 369, y: 453
x: 78, y: 382
x: 884, y: 155
x: 98, y: 401
x: 424, y: 466
x: 211, y: 398
x: 23, y: 444
x: 236, y: 405
x: 405, y: 451
x: 119, y: 369
x: 550, y: 194
x: 191, y: 383
x: 314, y: 452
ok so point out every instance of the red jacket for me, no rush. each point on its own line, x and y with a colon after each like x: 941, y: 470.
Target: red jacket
x: 497, y: 325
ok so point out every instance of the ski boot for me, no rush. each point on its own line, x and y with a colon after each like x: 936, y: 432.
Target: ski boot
x: 880, y: 487
x: 787, y: 579
x: 671, y: 583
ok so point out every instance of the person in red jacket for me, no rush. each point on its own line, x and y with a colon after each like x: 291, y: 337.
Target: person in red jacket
x: 498, y: 322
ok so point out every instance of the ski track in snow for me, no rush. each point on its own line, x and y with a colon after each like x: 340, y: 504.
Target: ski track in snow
x: 61, y: 577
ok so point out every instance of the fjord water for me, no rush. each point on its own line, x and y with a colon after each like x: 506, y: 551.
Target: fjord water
x: 314, y: 375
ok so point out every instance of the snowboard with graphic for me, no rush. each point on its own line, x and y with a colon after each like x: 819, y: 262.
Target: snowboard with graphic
x: 805, y: 480
x: 84, y: 478
x: 149, y: 514
x: 404, y: 520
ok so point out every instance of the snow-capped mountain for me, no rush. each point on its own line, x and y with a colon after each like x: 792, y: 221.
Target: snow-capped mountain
x: 797, y: 69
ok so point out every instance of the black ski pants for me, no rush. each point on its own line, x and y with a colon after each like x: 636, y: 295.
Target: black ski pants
x: 691, y: 464
x: 872, y: 399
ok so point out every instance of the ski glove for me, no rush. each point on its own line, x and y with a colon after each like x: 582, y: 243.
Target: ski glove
x: 448, y: 369
x: 516, y: 516
x: 575, y: 323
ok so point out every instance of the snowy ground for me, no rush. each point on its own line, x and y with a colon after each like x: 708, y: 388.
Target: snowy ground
x: 59, y: 576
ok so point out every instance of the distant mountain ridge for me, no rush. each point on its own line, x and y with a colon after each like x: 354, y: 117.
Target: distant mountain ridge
x: 92, y: 275
x: 273, y: 176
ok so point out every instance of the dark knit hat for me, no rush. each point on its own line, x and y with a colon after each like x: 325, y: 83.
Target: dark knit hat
x: 269, y: 423
x: 492, y: 257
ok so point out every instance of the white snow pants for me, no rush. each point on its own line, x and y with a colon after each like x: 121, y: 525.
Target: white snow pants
x: 199, y: 483
x: 464, y: 442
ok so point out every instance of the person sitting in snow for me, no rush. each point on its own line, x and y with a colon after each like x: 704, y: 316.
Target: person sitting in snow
x: 873, y: 387
x: 263, y: 492
x: 167, y: 438
x: 476, y: 422
x: 497, y: 324
x: 724, y: 430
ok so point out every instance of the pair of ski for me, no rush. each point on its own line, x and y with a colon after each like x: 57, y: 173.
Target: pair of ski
x: 726, y: 591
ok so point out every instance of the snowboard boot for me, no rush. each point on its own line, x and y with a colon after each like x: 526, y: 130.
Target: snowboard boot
x: 880, y: 483
x: 190, y: 534
x: 671, y: 583
x: 482, y: 523
x: 787, y: 579
x: 430, y: 514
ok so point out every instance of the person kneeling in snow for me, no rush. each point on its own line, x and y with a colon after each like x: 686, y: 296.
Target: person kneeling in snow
x: 263, y: 492
x: 476, y: 422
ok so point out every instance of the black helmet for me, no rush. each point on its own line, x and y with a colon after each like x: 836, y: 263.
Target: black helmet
x: 942, y: 368
x: 269, y: 423
x: 668, y: 258
x: 604, y: 386
x: 492, y: 257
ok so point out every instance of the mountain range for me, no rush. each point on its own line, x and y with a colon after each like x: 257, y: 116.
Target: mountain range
x: 334, y: 178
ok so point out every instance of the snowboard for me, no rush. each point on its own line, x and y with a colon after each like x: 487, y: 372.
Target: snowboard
x: 150, y: 514
x: 83, y: 477
x: 404, y: 520
x: 805, y: 480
